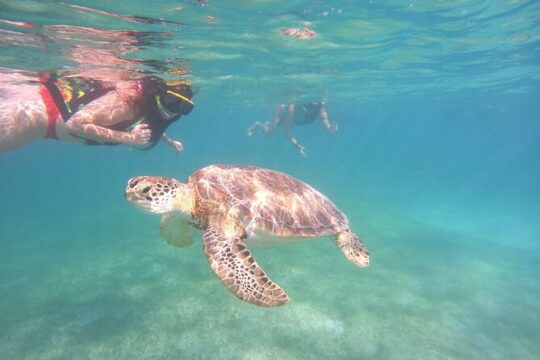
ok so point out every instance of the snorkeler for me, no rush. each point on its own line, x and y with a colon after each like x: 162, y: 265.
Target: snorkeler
x: 132, y: 112
x: 305, y: 33
x: 295, y: 114
x: 103, y: 101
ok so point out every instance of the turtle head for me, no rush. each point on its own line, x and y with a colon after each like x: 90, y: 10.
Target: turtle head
x: 158, y: 195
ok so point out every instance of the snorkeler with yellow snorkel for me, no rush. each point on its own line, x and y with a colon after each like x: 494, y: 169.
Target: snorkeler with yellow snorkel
x: 105, y: 101
x: 132, y: 112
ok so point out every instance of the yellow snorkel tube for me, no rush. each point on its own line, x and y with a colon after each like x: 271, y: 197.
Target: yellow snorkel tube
x: 180, y: 96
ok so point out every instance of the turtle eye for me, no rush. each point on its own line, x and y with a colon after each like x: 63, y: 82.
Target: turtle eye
x: 146, y: 189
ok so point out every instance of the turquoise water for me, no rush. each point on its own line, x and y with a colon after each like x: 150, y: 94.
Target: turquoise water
x: 435, y: 164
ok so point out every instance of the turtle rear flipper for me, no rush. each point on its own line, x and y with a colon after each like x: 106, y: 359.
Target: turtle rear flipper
x: 352, y: 247
x: 238, y: 271
x: 175, y: 230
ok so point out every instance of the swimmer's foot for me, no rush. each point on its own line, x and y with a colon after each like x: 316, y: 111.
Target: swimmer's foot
x: 252, y: 128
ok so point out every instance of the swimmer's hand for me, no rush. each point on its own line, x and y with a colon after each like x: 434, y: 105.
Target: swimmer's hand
x: 141, y: 134
x: 177, y: 146
x: 333, y: 127
x: 300, y: 149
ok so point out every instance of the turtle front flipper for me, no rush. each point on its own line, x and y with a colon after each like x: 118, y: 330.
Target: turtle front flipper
x: 175, y: 230
x: 352, y: 247
x: 238, y: 271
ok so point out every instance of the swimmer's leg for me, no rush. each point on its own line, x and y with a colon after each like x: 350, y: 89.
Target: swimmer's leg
x: 22, y: 120
x: 269, y: 127
x: 266, y: 128
x: 256, y: 126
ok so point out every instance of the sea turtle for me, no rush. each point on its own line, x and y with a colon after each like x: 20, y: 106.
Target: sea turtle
x: 237, y: 206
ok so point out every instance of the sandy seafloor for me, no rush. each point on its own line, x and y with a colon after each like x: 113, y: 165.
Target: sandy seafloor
x: 444, y: 193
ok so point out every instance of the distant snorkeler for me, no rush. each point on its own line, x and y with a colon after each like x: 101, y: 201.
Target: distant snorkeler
x: 94, y: 112
x: 295, y: 114
x: 297, y: 33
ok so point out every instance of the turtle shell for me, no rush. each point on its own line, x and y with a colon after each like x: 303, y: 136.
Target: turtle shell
x: 265, y: 201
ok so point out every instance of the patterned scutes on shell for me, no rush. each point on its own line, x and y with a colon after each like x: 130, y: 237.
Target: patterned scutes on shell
x: 265, y: 201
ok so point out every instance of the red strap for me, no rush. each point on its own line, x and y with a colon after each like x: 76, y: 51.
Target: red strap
x: 52, y: 112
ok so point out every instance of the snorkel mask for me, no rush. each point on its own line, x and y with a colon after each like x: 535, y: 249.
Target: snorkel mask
x: 175, y: 100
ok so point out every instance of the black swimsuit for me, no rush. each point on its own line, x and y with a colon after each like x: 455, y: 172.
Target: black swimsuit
x: 71, y: 96
x: 311, y: 112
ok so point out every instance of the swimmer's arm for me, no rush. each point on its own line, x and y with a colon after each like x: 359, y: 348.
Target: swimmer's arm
x: 293, y: 140
x: 175, y: 144
x: 328, y: 126
x: 94, y: 120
